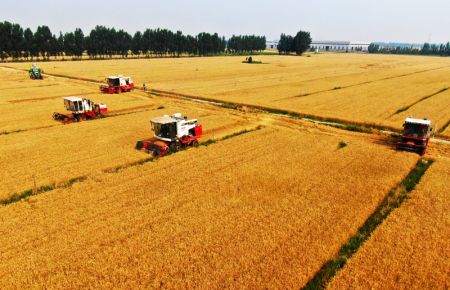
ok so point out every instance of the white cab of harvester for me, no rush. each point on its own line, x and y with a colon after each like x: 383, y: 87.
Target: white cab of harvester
x: 169, y: 128
x: 119, y: 81
x: 78, y: 105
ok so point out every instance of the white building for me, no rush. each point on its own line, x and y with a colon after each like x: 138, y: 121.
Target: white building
x: 271, y: 44
x: 347, y: 46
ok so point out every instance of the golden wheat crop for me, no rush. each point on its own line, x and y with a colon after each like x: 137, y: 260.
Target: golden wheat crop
x: 265, y: 209
x: 27, y: 104
x: 361, y: 88
x: 56, y: 154
x: 410, y: 250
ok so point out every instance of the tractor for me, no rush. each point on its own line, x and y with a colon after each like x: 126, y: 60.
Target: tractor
x: 171, y: 134
x: 416, y: 134
x: 35, y: 72
x: 117, y: 85
x: 80, y: 109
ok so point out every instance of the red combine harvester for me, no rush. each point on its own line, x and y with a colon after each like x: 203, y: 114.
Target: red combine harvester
x: 416, y: 134
x: 117, y: 85
x: 171, y: 133
x: 80, y: 109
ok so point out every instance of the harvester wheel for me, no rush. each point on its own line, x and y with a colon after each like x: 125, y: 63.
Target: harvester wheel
x: 155, y: 153
x: 78, y: 118
x: 139, y: 145
x: 194, y: 143
x: 174, y: 147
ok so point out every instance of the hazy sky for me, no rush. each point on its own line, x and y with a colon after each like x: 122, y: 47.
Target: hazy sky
x: 358, y: 20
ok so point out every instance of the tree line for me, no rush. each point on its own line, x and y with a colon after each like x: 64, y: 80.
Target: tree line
x: 298, y: 44
x: 427, y: 49
x: 102, y: 42
x: 246, y: 43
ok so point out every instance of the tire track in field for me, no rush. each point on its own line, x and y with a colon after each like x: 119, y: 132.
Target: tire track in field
x: 392, y: 200
x: 46, y: 188
x: 361, y: 83
x: 344, y: 124
x: 443, y: 128
x: 162, y: 217
x: 406, y: 108
x: 116, y: 113
x: 47, y: 98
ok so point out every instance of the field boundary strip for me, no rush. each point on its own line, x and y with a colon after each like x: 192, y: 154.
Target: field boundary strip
x: 343, y: 124
x: 47, y: 98
x: 16, y: 197
x: 391, y: 201
x: 44, y: 188
x: 361, y: 83
x: 335, y: 122
x: 443, y: 128
x: 339, y: 123
x: 406, y: 108
x: 26, y: 130
x: 120, y: 112
x: 205, y: 143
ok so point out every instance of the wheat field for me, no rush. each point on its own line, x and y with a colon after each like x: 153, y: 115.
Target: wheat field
x: 411, y: 251
x: 265, y: 205
x: 358, y: 88
x: 243, y: 212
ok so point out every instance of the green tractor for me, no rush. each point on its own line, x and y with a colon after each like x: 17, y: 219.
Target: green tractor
x: 35, y: 73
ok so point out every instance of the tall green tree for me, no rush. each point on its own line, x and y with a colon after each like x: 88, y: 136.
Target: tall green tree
x: 30, y: 49
x: 286, y: 44
x: 373, y: 48
x: 426, y: 48
x: 43, y: 38
x: 302, y: 41
x: 78, y: 43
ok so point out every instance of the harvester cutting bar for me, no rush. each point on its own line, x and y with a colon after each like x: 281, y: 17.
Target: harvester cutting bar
x: 63, y: 118
x: 158, y: 148
x: 415, y: 145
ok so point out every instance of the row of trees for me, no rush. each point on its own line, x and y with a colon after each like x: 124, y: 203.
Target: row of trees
x: 17, y: 42
x: 246, y: 43
x: 427, y: 49
x: 298, y: 44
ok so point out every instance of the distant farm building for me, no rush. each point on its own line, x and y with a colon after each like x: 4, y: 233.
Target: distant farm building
x: 347, y: 46
x: 271, y: 44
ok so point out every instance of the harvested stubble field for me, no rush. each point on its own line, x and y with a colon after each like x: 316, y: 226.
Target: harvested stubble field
x: 411, y: 250
x: 375, y: 89
x: 244, y: 212
x: 266, y: 208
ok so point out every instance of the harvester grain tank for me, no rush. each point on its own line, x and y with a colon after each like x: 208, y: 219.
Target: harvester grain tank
x: 80, y: 109
x: 35, y: 72
x: 117, y: 85
x: 171, y: 133
x: 416, y: 135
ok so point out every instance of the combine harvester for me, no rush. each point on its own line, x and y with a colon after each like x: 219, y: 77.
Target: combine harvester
x: 117, y: 85
x: 171, y: 133
x: 80, y: 109
x: 416, y: 135
x: 35, y: 72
